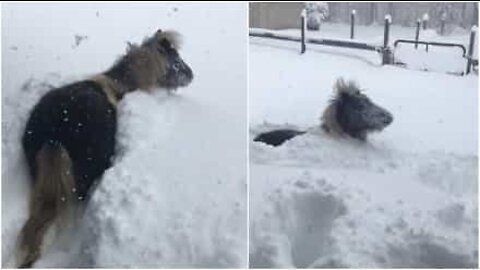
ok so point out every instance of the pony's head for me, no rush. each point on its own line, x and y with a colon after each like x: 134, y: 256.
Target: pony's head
x: 352, y: 112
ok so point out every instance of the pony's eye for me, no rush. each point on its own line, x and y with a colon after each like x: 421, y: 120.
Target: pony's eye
x: 176, y: 66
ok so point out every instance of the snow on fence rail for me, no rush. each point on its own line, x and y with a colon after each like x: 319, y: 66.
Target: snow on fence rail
x: 320, y: 41
x: 431, y: 43
x: 468, y: 55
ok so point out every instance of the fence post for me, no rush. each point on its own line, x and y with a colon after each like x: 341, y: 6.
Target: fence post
x: 302, y: 18
x: 442, y: 23
x: 417, y: 34
x: 352, y: 24
x: 470, y: 48
x: 425, y: 20
x: 386, y: 53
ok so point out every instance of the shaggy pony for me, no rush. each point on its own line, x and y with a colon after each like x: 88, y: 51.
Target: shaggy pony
x: 69, y: 139
x: 350, y: 113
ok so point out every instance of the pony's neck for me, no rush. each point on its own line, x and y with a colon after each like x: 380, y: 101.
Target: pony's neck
x: 121, y: 75
x: 113, y: 89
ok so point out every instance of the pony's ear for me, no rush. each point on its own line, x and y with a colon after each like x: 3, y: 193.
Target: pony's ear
x: 158, y: 34
x: 170, y: 37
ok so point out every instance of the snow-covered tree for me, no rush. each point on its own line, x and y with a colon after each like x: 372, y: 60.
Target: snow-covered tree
x: 316, y: 13
x: 425, y: 17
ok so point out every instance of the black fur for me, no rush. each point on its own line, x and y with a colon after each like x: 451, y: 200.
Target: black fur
x: 277, y: 137
x: 79, y: 117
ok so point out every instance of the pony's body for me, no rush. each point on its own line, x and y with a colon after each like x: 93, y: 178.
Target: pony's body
x: 277, y: 137
x: 80, y: 118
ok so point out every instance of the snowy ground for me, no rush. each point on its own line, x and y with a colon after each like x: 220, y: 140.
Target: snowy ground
x: 176, y: 196
x: 406, y: 198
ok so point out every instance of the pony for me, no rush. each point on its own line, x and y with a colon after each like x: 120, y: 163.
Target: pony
x: 350, y: 113
x: 69, y: 138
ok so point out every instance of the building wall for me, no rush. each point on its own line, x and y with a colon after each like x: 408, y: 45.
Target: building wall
x: 275, y: 15
x: 463, y: 14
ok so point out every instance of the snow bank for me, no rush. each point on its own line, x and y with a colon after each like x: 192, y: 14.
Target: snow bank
x: 407, y: 198
x: 176, y: 196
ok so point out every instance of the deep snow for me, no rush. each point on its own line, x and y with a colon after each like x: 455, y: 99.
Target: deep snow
x: 406, y: 198
x: 176, y: 196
